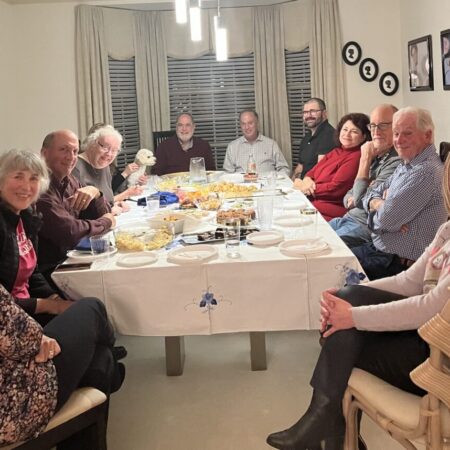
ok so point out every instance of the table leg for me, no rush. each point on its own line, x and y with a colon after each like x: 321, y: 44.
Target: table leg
x: 174, y: 355
x: 258, y: 350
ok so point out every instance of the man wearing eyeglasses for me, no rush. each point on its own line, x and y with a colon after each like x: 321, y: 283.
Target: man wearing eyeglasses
x: 319, y: 139
x: 69, y: 210
x: 377, y: 163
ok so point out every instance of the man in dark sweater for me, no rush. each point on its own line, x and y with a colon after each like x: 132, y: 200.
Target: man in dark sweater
x: 319, y: 139
x: 174, y: 154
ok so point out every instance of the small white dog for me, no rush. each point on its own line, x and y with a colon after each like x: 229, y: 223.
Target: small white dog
x: 144, y: 158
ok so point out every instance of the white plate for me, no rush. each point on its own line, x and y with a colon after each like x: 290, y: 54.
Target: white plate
x: 293, y: 204
x: 194, y: 254
x: 265, y: 238
x: 292, y: 220
x: 84, y: 256
x: 137, y: 259
x: 300, y: 247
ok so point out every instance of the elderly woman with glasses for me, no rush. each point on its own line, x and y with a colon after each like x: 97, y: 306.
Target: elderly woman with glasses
x: 99, y: 150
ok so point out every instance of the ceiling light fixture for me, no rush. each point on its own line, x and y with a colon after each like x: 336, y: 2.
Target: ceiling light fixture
x: 195, y: 21
x: 221, y: 36
x: 181, y: 11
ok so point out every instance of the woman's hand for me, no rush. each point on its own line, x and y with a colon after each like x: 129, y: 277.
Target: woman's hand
x: 48, y: 350
x: 307, y: 185
x: 335, y: 313
x: 131, y: 168
x: 52, y: 305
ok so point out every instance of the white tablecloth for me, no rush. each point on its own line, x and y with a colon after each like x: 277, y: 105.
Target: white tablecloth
x: 263, y: 290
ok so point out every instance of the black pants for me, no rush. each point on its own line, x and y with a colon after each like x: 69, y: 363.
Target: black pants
x: 86, y: 338
x: 388, y: 355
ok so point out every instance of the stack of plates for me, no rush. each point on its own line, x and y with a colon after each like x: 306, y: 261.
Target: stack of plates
x: 292, y: 220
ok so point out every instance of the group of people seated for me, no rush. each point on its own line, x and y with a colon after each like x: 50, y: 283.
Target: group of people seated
x: 377, y: 179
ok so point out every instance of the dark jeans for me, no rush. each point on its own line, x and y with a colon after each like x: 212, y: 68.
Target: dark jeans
x: 86, y: 339
x: 388, y: 355
x: 376, y: 263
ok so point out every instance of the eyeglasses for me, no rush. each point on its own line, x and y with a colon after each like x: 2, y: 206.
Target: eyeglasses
x: 106, y: 149
x: 312, y: 111
x: 383, y: 126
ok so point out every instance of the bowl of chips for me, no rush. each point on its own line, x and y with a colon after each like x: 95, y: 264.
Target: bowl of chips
x: 168, y: 219
x: 142, y: 238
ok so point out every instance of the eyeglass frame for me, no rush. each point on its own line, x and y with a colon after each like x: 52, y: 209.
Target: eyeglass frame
x: 312, y: 111
x: 382, y: 126
x: 105, y: 149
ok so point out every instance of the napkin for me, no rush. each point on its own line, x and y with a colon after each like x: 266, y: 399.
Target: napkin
x: 84, y: 245
x: 165, y: 198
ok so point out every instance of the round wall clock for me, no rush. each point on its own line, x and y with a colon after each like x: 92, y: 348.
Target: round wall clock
x: 389, y: 83
x: 368, y: 69
x: 351, y: 53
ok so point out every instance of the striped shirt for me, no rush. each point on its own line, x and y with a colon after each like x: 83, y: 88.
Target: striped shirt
x: 265, y: 151
x: 414, y: 199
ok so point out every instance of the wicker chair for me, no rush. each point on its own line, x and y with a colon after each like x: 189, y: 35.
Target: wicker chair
x: 85, y: 414
x: 408, y: 418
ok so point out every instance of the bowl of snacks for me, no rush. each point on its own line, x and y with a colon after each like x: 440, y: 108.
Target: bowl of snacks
x: 210, y: 203
x: 245, y: 215
x: 170, y: 219
x: 141, y: 238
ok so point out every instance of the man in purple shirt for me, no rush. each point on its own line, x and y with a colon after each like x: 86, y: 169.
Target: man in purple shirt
x: 174, y: 154
x: 69, y: 210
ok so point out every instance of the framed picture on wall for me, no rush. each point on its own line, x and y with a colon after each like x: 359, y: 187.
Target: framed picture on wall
x: 420, y: 63
x: 445, y: 52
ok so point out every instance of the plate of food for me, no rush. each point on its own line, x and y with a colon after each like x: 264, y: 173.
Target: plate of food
x: 139, y: 239
x: 245, y: 215
x: 212, y: 236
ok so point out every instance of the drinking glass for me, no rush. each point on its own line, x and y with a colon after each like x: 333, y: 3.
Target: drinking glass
x: 264, y: 207
x: 197, y: 171
x: 232, y: 235
x: 99, y: 244
x: 152, y: 201
x: 310, y: 230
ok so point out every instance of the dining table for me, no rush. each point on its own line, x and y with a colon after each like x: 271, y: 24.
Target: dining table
x: 267, y: 288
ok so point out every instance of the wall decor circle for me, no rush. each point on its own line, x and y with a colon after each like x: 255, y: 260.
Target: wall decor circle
x: 368, y: 69
x: 351, y: 53
x: 389, y: 83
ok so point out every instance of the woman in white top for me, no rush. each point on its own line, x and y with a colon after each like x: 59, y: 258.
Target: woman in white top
x: 373, y: 327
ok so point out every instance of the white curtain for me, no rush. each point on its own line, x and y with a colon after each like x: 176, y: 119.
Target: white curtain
x: 152, y: 86
x: 327, y: 72
x: 270, y: 77
x: 94, y: 95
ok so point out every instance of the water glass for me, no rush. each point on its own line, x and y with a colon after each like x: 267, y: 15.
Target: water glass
x: 310, y: 213
x: 99, y: 244
x: 152, y: 201
x: 232, y: 235
x: 264, y: 207
x: 197, y: 170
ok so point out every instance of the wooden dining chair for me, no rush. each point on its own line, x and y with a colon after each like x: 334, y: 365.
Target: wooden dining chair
x: 408, y: 418
x: 84, y: 414
x: 161, y: 136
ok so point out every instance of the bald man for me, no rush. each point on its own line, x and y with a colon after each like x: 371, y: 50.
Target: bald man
x: 70, y: 211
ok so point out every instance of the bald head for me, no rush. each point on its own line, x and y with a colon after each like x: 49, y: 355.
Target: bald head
x: 381, y: 127
x: 60, y: 151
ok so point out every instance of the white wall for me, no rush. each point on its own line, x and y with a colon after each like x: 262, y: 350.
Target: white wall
x: 6, y: 76
x: 420, y: 18
x: 375, y: 27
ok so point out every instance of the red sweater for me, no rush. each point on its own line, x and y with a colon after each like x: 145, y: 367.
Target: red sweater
x: 334, y: 175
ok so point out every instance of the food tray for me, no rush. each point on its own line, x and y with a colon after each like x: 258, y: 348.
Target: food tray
x: 215, y: 236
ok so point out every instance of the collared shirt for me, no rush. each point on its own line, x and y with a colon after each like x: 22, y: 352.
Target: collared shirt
x: 414, y: 199
x: 265, y: 151
x: 381, y: 169
x: 313, y: 145
x: 63, y: 227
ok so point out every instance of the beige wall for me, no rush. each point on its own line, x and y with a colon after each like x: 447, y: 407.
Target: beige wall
x: 6, y: 76
x: 41, y: 90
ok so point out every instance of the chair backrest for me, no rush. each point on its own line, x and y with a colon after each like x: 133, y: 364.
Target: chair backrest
x: 160, y: 136
x: 444, y: 149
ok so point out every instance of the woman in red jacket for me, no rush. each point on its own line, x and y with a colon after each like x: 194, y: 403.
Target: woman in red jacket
x: 330, y: 179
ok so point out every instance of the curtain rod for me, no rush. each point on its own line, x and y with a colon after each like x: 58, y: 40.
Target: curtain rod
x: 207, y: 7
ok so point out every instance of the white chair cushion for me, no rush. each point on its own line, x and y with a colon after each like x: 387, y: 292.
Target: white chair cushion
x: 400, y: 406
x: 82, y: 400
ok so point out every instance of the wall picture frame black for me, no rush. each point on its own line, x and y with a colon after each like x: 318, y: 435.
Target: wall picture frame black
x: 351, y: 53
x: 420, y: 64
x: 368, y: 69
x: 389, y: 83
x: 445, y: 58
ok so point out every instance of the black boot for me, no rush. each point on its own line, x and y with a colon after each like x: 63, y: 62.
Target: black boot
x: 322, y: 420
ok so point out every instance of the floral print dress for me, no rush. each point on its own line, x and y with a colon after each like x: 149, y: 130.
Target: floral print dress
x: 27, y: 389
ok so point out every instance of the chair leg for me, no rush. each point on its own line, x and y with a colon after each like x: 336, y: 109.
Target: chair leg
x: 351, y: 430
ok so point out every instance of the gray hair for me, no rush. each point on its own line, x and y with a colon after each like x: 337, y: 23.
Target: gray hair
x: 185, y: 113
x: 13, y: 160
x: 102, y: 131
x: 424, y: 122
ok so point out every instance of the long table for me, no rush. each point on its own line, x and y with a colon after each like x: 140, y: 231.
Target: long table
x: 261, y: 291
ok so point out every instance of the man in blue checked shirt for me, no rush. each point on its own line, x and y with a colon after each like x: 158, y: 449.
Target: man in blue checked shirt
x: 406, y: 210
